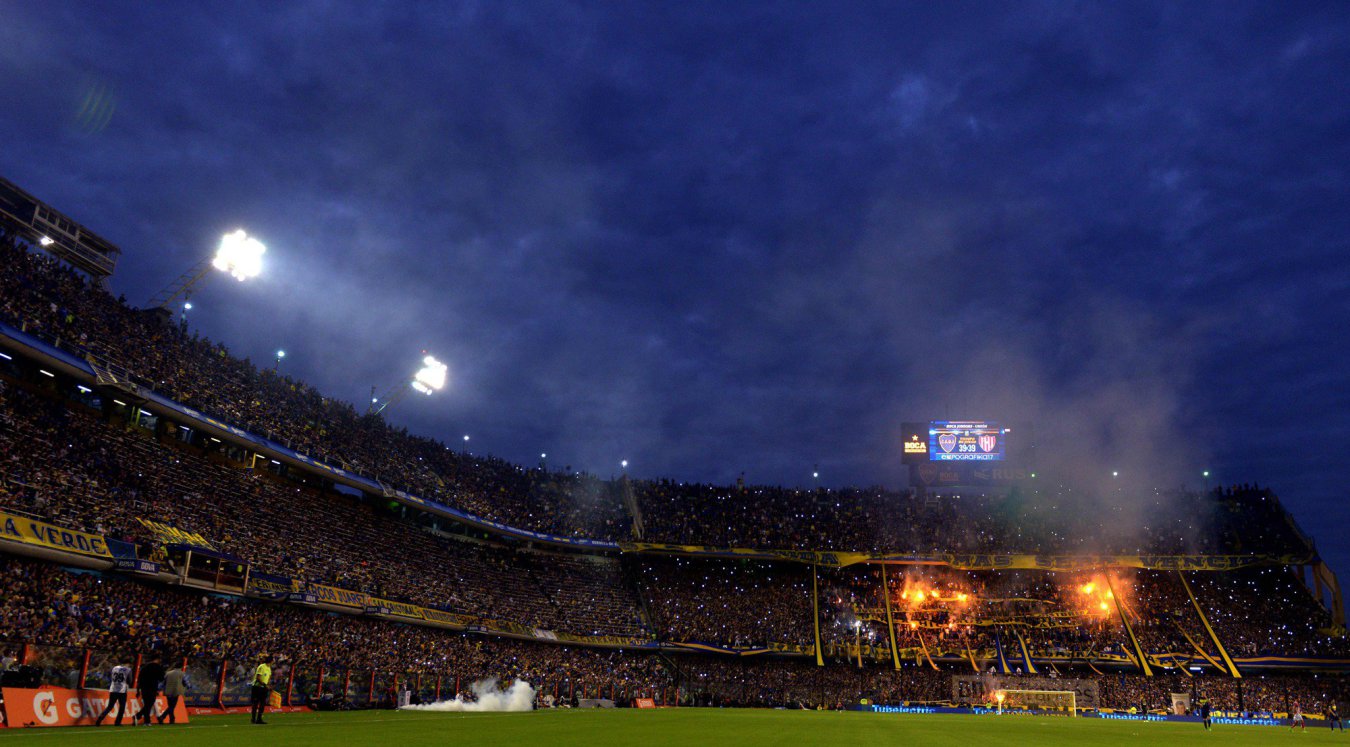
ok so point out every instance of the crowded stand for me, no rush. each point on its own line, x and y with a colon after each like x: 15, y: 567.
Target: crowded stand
x: 729, y: 603
x: 43, y: 296
x: 55, y: 615
x: 623, y: 621
x: 47, y: 298
x: 875, y: 520
x: 65, y: 466
x: 58, y: 614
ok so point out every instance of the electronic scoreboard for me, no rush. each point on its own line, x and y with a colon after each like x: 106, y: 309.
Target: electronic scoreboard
x: 955, y: 441
x: 965, y: 441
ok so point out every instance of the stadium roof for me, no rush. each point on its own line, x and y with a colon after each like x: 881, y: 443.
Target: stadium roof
x: 56, y: 233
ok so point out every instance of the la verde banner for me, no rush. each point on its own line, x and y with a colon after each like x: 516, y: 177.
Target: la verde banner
x: 57, y: 706
x: 33, y: 532
x: 982, y: 561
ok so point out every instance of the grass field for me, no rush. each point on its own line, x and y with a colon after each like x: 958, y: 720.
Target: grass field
x: 687, y: 726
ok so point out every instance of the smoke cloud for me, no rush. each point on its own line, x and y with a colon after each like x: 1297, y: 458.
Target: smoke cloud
x: 488, y: 697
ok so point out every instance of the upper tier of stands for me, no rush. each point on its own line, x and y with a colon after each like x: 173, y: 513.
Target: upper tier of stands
x: 48, y: 298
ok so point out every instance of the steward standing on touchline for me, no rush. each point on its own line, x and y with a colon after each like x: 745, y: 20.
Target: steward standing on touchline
x: 262, y: 677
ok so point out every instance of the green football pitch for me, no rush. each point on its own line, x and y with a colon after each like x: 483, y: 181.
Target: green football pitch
x: 685, y: 726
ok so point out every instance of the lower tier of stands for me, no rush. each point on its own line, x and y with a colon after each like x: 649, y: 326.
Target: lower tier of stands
x: 72, y: 626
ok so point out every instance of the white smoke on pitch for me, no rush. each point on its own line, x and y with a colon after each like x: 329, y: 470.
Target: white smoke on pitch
x: 487, y: 696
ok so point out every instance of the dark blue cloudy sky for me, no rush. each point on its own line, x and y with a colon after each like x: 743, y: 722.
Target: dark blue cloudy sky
x: 715, y: 238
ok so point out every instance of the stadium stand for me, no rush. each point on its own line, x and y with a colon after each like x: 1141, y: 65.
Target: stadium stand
x: 609, y: 622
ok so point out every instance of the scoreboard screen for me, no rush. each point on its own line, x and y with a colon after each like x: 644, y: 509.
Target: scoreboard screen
x: 965, y: 441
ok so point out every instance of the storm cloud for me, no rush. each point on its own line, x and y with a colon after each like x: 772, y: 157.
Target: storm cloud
x: 716, y: 239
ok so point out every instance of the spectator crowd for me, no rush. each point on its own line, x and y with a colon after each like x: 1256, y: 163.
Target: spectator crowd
x: 65, y: 460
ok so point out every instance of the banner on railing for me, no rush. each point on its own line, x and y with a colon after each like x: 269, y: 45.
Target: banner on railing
x: 340, y: 597
x: 276, y: 587
x: 33, y: 532
x: 456, y: 619
x: 132, y: 565
x: 980, y: 561
x: 173, y: 535
x: 398, y: 609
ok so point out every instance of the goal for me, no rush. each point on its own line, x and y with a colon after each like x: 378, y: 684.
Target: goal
x: 1055, y: 701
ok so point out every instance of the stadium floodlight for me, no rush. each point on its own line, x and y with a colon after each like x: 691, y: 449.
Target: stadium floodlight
x: 431, y: 377
x: 46, y: 241
x: 428, y: 380
x: 239, y: 254
x: 624, y: 464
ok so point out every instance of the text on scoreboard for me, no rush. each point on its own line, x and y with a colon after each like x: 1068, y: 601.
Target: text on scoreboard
x: 965, y: 441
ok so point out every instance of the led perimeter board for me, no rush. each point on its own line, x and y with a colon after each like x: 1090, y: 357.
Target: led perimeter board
x: 955, y: 441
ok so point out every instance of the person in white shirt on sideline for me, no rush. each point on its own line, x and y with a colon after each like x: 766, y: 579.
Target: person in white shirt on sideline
x: 117, y: 693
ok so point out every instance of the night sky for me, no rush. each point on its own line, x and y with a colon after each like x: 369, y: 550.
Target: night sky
x: 726, y: 238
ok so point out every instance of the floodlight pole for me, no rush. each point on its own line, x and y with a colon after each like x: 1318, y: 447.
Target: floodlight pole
x: 390, y: 398
x: 182, y: 287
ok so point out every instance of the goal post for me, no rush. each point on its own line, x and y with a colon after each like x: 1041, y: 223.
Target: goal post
x: 1042, y: 700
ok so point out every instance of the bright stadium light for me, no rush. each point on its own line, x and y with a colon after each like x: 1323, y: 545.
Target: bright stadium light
x: 46, y: 241
x: 428, y: 380
x: 624, y: 464
x: 431, y: 377
x: 240, y: 255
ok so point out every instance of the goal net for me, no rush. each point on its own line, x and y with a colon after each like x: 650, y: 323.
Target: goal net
x: 1054, y: 701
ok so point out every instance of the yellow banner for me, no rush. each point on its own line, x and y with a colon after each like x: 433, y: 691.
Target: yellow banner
x: 402, y: 609
x: 40, y: 533
x: 259, y: 583
x: 979, y: 561
x: 173, y: 535
x: 447, y: 618
x: 340, y: 597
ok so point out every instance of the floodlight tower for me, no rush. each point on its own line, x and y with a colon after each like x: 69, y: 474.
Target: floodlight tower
x: 430, y: 378
x: 239, y: 254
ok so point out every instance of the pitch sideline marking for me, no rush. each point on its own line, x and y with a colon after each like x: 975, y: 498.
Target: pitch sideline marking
x: 90, y: 731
